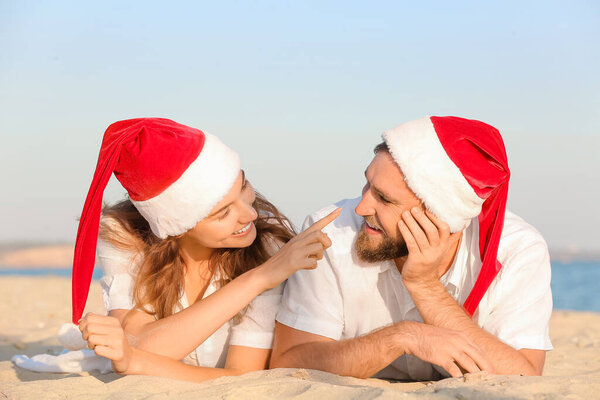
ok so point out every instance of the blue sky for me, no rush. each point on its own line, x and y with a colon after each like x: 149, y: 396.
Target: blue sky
x: 302, y: 90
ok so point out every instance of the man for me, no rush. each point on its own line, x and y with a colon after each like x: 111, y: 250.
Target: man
x: 427, y: 275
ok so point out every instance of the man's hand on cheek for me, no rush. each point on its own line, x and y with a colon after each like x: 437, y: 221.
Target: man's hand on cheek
x: 429, y: 242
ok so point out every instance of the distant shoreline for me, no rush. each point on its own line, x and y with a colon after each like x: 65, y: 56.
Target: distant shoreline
x: 60, y: 255
x: 36, y: 256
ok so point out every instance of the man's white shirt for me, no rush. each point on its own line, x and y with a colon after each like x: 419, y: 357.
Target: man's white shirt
x: 345, y: 297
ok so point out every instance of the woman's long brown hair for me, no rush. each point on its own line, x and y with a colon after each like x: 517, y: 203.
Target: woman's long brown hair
x: 160, y: 275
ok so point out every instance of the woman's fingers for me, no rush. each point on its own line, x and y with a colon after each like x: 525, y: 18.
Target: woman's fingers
x: 326, y: 220
x: 315, y: 237
x: 313, y: 250
x: 309, y: 263
x: 99, y: 329
x: 108, y: 352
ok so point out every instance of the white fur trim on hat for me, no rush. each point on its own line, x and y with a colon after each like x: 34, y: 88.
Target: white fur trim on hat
x: 191, y: 197
x: 431, y: 174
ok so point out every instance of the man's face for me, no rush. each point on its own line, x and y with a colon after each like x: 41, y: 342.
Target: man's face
x: 385, y: 197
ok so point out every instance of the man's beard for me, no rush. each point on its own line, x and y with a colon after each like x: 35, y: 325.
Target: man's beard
x: 387, y: 249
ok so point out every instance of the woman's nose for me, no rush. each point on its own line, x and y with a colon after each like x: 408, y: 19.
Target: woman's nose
x: 248, y: 214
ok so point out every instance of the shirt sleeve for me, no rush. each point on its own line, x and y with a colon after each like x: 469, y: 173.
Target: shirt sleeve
x: 522, y: 298
x: 118, y: 276
x: 258, y: 322
x: 312, y: 301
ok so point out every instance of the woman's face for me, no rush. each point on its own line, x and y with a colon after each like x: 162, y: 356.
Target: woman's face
x: 230, y: 223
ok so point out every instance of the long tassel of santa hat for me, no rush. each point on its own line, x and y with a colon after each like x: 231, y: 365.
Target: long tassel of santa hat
x: 87, y: 232
x: 174, y: 176
x: 459, y: 169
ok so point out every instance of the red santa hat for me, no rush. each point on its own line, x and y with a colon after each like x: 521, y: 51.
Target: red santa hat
x: 458, y: 168
x: 174, y: 176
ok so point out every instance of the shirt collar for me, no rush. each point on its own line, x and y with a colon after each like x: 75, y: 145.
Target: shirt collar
x: 455, y: 276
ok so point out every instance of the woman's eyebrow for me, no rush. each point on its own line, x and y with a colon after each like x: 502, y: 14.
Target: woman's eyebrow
x: 227, y: 205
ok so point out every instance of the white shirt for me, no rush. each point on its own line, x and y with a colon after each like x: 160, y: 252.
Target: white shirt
x: 254, y: 330
x: 344, y: 297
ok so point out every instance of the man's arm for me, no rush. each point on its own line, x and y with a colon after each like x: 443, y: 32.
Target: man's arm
x: 427, y: 239
x: 438, y: 308
x: 363, y: 356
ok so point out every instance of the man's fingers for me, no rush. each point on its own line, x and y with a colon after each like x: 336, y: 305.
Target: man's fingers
x: 326, y: 220
x: 467, y: 363
x: 479, y: 358
x: 411, y: 243
x: 452, y: 369
x: 442, y: 227
x: 431, y: 230
x: 416, y: 230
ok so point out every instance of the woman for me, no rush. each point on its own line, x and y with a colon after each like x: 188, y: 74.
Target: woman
x: 193, y: 232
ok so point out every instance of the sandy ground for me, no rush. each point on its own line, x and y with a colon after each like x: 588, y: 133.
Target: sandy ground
x: 32, y: 309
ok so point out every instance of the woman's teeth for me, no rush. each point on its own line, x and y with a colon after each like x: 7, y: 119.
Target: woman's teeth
x: 244, y: 229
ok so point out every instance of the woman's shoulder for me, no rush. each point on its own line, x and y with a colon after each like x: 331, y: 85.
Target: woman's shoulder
x: 115, y: 242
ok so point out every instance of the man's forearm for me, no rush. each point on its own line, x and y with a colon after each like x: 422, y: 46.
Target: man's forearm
x: 438, y: 308
x: 360, y: 357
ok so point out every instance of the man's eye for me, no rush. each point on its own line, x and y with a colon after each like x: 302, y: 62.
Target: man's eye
x: 383, y: 199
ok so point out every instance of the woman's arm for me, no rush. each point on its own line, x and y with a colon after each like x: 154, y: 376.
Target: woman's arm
x: 180, y: 333
x: 107, y: 338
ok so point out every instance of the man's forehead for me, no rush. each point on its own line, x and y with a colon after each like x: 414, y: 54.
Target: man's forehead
x: 385, y: 175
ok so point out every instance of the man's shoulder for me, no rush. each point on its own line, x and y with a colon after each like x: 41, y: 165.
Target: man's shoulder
x: 519, y: 234
x: 347, y: 221
x: 522, y: 250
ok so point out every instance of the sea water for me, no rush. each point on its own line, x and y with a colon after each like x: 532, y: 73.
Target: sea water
x: 575, y: 285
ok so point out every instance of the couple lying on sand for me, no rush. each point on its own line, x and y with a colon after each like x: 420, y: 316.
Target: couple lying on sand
x: 425, y: 275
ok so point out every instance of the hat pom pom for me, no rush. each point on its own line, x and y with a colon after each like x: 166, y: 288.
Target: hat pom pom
x: 70, y: 337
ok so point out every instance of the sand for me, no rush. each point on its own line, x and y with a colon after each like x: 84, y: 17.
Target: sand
x: 32, y: 309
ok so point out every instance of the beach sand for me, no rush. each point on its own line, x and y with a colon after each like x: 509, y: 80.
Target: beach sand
x: 32, y: 309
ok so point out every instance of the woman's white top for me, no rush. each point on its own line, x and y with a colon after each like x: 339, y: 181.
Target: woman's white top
x: 255, y: 329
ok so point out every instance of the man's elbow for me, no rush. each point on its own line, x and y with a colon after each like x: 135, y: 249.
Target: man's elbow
x: 280, y: 360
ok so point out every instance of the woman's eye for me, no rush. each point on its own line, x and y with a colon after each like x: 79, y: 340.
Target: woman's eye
x: 226, y: 213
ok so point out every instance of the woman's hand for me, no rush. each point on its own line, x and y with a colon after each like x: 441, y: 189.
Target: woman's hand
x: 106, y: 337
x: 301, y: 252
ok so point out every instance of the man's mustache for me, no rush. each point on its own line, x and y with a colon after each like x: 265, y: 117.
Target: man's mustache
x: 371, y: 220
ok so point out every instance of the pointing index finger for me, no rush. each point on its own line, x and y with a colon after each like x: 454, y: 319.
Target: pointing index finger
x: 326, y: 220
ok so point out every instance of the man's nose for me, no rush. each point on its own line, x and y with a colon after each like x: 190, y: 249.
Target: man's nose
x: 365, y: 206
